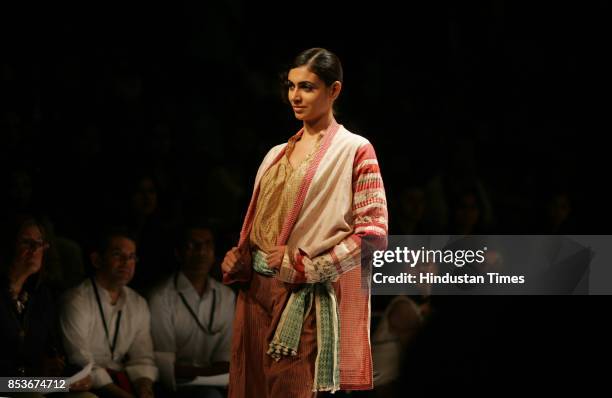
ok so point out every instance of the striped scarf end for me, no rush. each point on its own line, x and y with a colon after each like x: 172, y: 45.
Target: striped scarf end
x: 278, y: 351
x: 331, y: 389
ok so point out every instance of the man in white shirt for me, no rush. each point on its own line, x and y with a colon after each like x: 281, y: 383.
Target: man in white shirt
x: 105, y: 322
x: 192, y: 316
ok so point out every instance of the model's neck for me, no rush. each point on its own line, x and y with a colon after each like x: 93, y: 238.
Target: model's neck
x: 198, y: 281
x: 313, y: 128
x: 113, y: 290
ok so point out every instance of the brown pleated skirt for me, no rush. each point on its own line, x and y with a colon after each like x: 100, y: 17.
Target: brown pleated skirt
x: 253, y: 373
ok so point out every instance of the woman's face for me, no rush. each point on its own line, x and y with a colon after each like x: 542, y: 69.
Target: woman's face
x: 30, y: 249
x: 310, y: 98
x: 144, y: 199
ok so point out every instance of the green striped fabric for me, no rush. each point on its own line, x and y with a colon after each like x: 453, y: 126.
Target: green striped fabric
x: 289, y: 329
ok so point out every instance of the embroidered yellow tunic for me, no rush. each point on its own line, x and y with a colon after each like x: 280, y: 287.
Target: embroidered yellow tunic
x: 278, y: 189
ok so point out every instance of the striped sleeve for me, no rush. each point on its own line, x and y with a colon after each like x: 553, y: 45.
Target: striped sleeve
x: 370, y: 220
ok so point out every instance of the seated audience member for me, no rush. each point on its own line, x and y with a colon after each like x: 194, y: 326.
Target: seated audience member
x: 152, y: 227
x: 402, y: 321
x: 105, y: 322
x: 29, y: 338
x: 192, y: 317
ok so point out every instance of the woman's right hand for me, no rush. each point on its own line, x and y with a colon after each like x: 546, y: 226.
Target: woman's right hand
x: 236, y: 260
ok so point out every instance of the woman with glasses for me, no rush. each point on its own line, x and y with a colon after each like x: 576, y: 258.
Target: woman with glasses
x: 29, y: 336
x: 302, y: 316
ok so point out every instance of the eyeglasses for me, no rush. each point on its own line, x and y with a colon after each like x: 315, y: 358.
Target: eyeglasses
x: 32, y: 244
x: 198, y: 245
x: 119, y: 256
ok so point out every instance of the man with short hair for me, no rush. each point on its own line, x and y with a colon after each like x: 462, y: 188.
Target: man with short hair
x: 192, y: 316
x: 105, y: 322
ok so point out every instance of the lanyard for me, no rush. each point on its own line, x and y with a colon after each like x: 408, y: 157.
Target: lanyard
x: 192, y: 312
x: 117, y: 322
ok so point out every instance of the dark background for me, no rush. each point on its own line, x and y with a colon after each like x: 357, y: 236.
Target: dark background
x: 180, y: 91
x: 95, y: 98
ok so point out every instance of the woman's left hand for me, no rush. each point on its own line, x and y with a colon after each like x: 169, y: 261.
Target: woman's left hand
x: 275, y: 257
